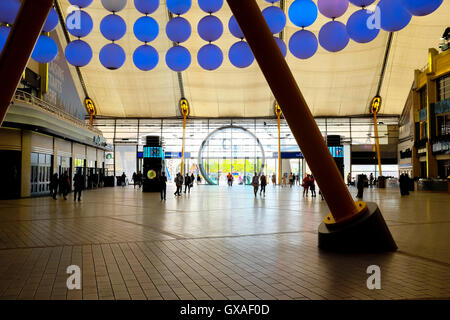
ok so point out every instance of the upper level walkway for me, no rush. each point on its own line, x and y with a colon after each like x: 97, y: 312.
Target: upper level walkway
x: 215, y: 243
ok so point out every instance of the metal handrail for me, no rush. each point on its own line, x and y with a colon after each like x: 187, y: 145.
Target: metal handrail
x: 34, y: 101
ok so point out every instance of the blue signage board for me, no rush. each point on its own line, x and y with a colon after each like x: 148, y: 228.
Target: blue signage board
x: 289, y: 155
x: 177, y: 155
x: 140, y: 155
x: 337, y: 152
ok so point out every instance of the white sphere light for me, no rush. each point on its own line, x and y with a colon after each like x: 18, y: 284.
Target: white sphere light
x: 114, y: 5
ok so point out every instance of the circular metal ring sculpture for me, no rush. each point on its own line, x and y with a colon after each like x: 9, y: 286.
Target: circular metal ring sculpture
x: 212, y: 134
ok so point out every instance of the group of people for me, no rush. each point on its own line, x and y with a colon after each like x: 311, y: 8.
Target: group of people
x: 258, y: 181
x: 309, y: 184
x: 137, y: 179
x: 290, y: 178
x: 64, y: 186
x: 187, y: 180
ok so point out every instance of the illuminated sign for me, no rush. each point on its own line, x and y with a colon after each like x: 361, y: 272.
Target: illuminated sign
x: 176, y: 155
x: 153, y: 152
x: 151, y: 174
x: 375, y: 105
x: 90, y: 106
x: 184, y: 107
x: 337, y: 152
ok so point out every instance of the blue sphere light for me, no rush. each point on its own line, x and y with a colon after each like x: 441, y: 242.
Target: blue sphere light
x: 178, y: 29
x: 240, y: 55
x: 179, y: 6
x: 421, y: 7
x: 78, y: 53
x: 178, y: 58
x: 113, y: 27
x: 210, y: 28
x: 81, y: 3
x: 146, y: 6
x: 282, y: 46
x: 275, y: 18
x: 303, y: 44
x: 362, y: 3
x: 146, y: 29
x: 333, y: 36
x: 272, y: 1
x: 112, y: 56
x: 45, y: 50
x: 357, y: 27
x: 210, y: 57
x: 394, y: 16
x: 234, y: 28
x: 145, y: 58
x: 210, y: 6
x: 9, y: 10
x: 303, y: 13
x: 52, y: 21
x: 79, y: 23
x: 4, y: 33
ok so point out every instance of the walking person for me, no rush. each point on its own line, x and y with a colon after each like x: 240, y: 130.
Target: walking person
x: 274, y: 179
x: 139, y: 179
x: 312, y: 186
x: 360, y: 186
x: 64, y: 185
x: 54, y: 185
x: 134, y: 178
x: 192, y: 180
x: 371, y: 179
x: 179, y: 184
x: 291, y: 180
x: 263, y: 180
x: 283, y: 180
x: 163, y: 185
x: 122, y: 178
x: 78, y: 184
x: 255, y: 184
x: 349, y: 179
x: 305, y: 185
x: 187, y: 183
x: 230, y: 179
x: 199, y: 179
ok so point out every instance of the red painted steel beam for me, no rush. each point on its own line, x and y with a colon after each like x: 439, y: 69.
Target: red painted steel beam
x: 294, y: 107
x: 19, y: 46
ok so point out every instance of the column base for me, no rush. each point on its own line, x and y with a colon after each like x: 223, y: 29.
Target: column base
x: 365, y: 233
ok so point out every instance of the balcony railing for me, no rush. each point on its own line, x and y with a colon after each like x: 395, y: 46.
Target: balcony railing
x: 53, y: 110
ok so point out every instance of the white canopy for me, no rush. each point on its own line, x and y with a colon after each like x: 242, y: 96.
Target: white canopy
x: 334, y: 84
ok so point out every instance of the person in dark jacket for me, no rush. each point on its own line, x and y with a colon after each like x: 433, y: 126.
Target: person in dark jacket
x: 163, y: 183
x: 360, y: 186
x: 64, y: 184
x: 54, y: 185
x: 187, y: 183
x: 78, y: 184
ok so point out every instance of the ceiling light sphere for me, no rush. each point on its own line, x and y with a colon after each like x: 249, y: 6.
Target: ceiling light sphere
x: 178, y: 58
x: 421, y: 7
x: 79, y: 23
x: 113, y: 27
x: 52, y: 21
x: 357, y: 27
x: 240, y: 55
x: 234, y: 28
x: 146, y: 29
x: 210, y: 6
x: 333, y: 36
x: 362, y: 3
x: 210, y: 57
x: 4, y: 33
x: 81, y: 3
x: 303, y: 44
x: 45, y: 50
x: 394, y: 16
x: 210, y: 28
x: 275, y: 18
x: 9, y: 10
x: 303, y: 13
x: 178, y: 29
x: 146, y: 6
x: 282, y: 46
x: 114, y: 5
x: 145, y: 58
x: 78, y: 53
x: 179, y: 6
x: 112, y: 56
x: 332, y: 8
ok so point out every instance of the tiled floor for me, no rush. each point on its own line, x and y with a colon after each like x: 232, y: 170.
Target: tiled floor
x: 216, y: 243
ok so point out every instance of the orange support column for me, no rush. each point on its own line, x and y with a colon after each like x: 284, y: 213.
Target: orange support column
x: 371, y: 232
x: 19, y: 46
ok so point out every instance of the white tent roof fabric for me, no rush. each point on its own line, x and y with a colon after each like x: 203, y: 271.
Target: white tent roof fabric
x: 334, y: 84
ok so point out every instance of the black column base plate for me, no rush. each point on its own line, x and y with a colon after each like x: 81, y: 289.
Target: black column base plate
x: 366, y: 233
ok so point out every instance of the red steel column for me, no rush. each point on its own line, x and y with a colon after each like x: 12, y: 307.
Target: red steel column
x: 294, y: 107
x: 19, y: 46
